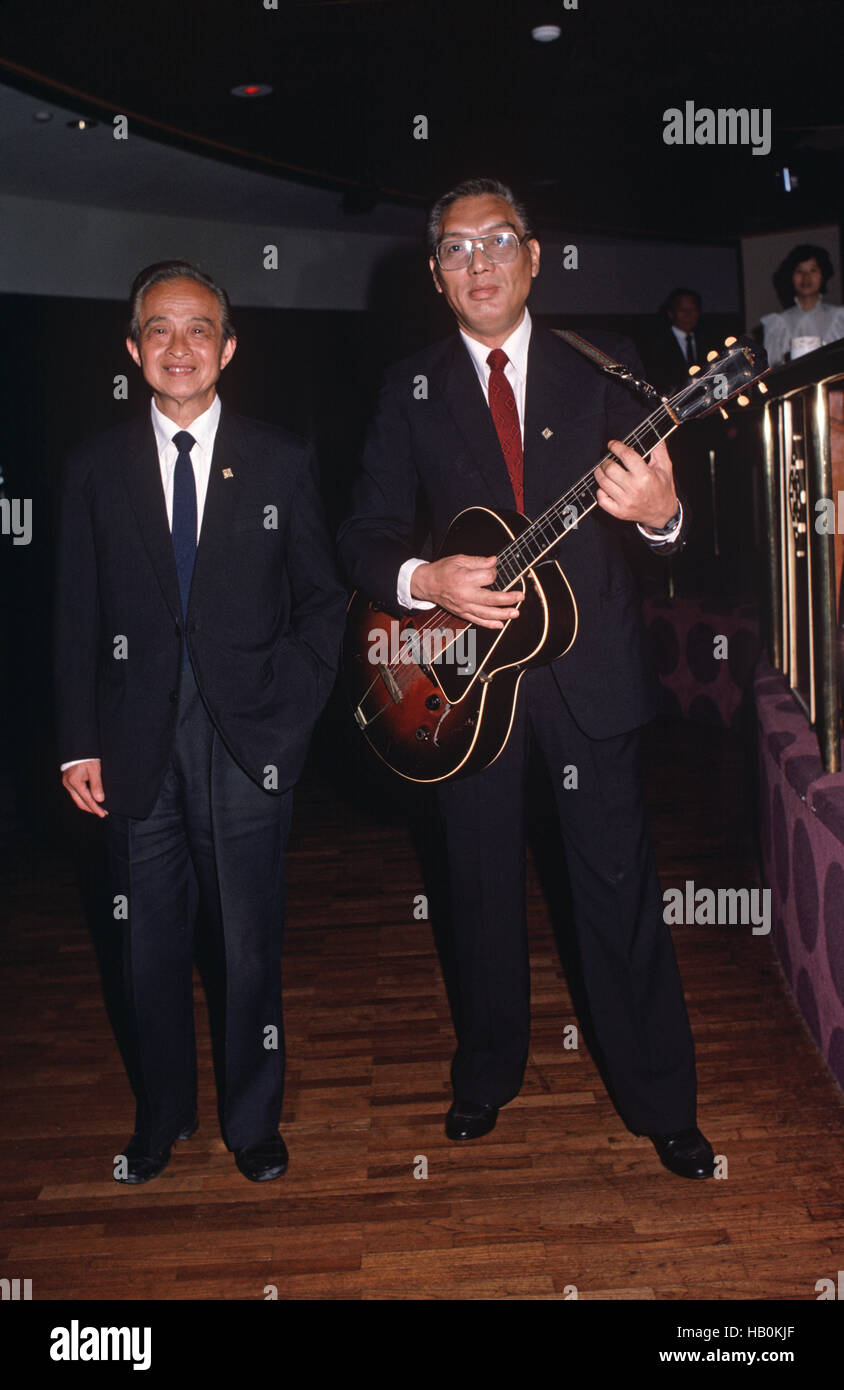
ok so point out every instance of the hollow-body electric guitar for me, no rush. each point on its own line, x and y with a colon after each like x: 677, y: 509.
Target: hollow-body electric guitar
x: 435, y: 695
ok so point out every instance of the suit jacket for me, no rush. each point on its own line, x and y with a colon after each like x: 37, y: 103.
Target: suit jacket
x: 666, y: 367
x: 264, y: 617
x: 430, y: 458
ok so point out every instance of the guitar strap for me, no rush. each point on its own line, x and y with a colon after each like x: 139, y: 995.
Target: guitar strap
x: 607, y: 364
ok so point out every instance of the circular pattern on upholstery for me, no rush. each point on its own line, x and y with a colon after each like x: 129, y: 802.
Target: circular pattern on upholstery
x: 807, y: 1004
x: 700, y: 653
x: 743, y: 648
x: 779, y: 843
x: 671, y: 704
x: 704, y: 709
x: 833, y: 923
x: 665, y: 645
x: 805, y: 880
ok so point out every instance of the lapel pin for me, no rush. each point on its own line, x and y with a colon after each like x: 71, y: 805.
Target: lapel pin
x: 546, y: 433
x: 227, y: 473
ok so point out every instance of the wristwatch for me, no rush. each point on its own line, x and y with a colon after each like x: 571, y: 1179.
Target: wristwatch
x: 669, y: 525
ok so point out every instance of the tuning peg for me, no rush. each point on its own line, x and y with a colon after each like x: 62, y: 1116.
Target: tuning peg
x: 693, y: 371
x: 724, y: 412
x: 728, y: 342
x: 762, y: 387
x: 710, y: 356
x: 743, y: 400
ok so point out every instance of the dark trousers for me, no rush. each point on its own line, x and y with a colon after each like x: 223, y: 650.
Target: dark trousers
x: 629, y: 970
x: 217, y: 838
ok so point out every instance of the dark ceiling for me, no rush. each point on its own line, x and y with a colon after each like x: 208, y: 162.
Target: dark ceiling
x: 576, y: 125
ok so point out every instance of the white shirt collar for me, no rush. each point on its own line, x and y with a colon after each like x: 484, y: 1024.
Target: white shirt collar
x: 516, y: 348
x: 203, y: 428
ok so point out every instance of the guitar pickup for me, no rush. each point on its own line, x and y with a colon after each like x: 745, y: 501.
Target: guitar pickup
x: 391, y: 683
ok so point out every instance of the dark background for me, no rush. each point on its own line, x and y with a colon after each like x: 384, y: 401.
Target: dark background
x: 575, y: 126
x: 315, y: 373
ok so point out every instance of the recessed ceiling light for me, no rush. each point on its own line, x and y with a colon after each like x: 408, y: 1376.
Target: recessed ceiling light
x: 81, y: 124
x: 42, y: 116
x: 546, y: 33
x: 252, y: 89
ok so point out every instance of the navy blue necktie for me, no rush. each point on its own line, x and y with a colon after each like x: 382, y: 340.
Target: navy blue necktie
x: 184, y: 514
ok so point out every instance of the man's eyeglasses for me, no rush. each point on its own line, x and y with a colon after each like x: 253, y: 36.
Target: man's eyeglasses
x: 498, y: 247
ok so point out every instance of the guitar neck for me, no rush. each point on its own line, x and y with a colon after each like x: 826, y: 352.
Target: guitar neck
x: 563, y: 515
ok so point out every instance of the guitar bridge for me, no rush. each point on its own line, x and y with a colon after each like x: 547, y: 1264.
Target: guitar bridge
x: 391, y: 683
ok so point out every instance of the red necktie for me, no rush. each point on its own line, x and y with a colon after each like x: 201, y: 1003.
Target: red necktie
x: 505, y: 417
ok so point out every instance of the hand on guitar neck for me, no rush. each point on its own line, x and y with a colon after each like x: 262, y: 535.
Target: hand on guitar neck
x: 460, y: 584
x: 632, y: 490
x: 640, y: 491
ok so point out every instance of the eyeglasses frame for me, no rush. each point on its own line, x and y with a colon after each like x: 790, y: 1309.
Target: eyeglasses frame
x: 474, y: 243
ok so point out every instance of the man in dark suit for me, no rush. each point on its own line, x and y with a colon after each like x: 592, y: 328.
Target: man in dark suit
x: 506, y: 410
x: 676, y: 346
x: 198, y: 620
x: 680, y: 342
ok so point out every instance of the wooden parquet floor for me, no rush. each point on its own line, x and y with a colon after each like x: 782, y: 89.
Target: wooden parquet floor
x: 560, y: 1195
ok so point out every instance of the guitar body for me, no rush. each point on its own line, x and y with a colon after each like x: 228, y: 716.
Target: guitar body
x: 435, y: 695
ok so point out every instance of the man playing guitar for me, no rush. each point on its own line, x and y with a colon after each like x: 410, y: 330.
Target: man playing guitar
x: 509, y: 416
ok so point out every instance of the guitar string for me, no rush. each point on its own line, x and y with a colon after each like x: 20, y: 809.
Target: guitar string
x: 433, y: 620
x: 635, y: 438
x: 401, y: 667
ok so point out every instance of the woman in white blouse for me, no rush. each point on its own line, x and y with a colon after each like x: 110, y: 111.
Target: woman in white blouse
x: 803, y: 276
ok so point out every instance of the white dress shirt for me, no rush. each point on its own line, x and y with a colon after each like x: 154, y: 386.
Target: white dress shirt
x: 516, y: 348
x: 824, y: 321
x: 204, y: 431
x: 681, y: 341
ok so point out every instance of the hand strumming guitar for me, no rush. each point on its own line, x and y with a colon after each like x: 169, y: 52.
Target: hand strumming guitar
x: 460, y: 584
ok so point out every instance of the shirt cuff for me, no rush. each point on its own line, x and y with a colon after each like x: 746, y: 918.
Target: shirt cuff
x: 403, y: 594
x: 75, y: 761
x: 667, y: 538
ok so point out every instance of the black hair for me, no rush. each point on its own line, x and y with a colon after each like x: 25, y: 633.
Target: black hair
x: 175, y: 270
x: 782, y: 276
x: 681, y: 292
x: 474, y: 188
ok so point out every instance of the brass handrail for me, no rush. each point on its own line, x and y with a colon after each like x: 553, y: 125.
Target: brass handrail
x: 798, y: 388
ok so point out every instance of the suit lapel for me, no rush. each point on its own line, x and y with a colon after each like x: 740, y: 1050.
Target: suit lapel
x: 551, y: 398
x: 142, y: 477
x: 465, y: 399
x: 225, y: 487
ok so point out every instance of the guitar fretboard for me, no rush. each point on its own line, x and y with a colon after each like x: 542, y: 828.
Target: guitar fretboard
x: 564, y: 514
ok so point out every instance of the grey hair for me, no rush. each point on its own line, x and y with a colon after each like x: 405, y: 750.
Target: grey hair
x: 474, y: 188
x: 175, y: 270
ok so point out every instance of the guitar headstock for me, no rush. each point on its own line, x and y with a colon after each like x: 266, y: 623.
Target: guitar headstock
x: 728, y: 375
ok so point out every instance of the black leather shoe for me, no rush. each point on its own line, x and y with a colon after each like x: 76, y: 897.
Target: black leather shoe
x: 685, y: 1152
x: 265, y: 1161
x: 142, y: 1164
x: 468, y: 1121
